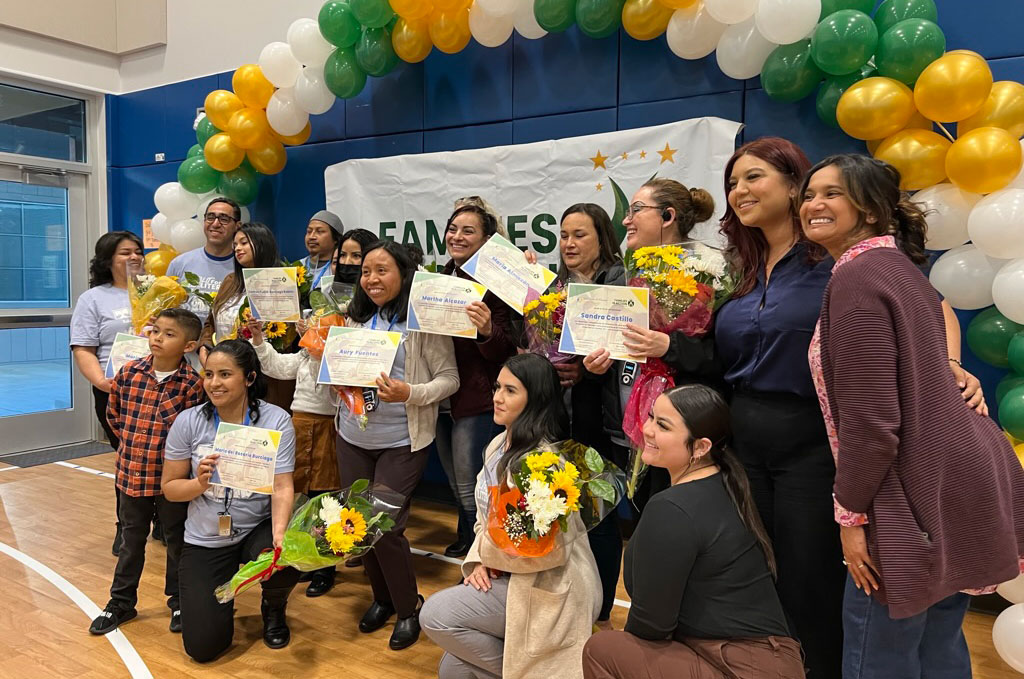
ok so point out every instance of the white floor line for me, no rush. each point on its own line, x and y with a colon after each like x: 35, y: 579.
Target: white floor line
x: 7, y: 469
x: 89, y: 470
x: 131, y: 658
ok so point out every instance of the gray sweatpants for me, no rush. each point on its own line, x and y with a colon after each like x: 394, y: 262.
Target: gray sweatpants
x: 470, y: 627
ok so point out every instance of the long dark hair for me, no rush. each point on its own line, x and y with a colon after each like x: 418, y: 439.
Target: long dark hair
x: 408, y: 257
x: 106, y: 247
x: 362, y: 236
x: 707, y: 417
x: 873, y: 187
x: 544, y: 418
x: 264, y: 254
x: 608, y: 247
x: 244, y: 356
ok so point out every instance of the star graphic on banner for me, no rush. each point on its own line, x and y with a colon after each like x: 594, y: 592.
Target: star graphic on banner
x: 600, y: 186
x: 598, y: 160
x: 625, y: 155
x: 643, y: 154
x: 667, y: 155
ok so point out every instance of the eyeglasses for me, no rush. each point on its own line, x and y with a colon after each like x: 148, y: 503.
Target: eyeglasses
x: 637, y: 206
x: 222, y: 219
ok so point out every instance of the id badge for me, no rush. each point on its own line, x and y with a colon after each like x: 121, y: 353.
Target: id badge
x: 224, y: 525
x: 370, y: 399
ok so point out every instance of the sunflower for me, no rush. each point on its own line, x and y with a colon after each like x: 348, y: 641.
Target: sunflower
x: 538, y: 476
x: 275, y: 329
x: 300, y: 274
x: 680, y: 281
x: 571, y: 471
x: 347, y: 532
x: 565, y: 487
x: 540, y: 461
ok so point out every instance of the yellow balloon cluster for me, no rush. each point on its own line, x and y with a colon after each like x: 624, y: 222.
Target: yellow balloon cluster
x: 158, y: 260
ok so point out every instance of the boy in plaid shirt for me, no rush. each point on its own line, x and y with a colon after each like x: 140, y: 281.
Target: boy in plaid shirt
x: 146, y: 396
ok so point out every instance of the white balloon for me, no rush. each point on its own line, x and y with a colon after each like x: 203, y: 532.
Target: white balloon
x: 187, y: 234
x: 1008, y: 290
x: 174, y: 201
x: 946, y: 208
x: 498, y: 8
x: 996, y: 224
x: 284, y: 114
x: 964, y: 276
x: 307, y: 44
x: 279, y: 65
x: 160, y: 227
x: 203, y: 206
x: 311, y: 93
x: 742, y: 50
x: 786, y: 21
x: 731, y: 11
x: 526, y: 23
x: 487, y: 29
x: 1013, y: 590
x: 1008, y: 636
x: 693, y: 33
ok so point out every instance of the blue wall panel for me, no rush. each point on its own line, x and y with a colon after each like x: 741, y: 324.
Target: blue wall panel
x: 798, y: 122
x: 387, y: 105
x: 727, y: 105
x: 562, y: 73
x: 648, y: 71
x: 329, y: 126
x: 134, y: 189
x: 469, y: 137
x: 473, y: 86
x: 527, y: 130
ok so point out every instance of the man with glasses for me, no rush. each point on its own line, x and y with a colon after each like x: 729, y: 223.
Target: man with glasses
x: 215, y: 260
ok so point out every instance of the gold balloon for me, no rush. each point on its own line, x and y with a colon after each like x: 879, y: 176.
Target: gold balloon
x: 222, y: 154
x: 251, y: 86
x: 293, y: 139
x: 220, y: 106
x: 1019, y: 449
x: 984, y: 160
x: 645, y: 19
x: 953, y: 87
x: 248, y: 127
x: 919, y: 155
x: 917, y: 122
x: 158, y: 260
x: 678, y: 4
x: 268, y: 158
x: 449, y: 30
x: 411, y: 40
x: 451, y: 5
x: 875, y: 108
x: 412, y: 9
x: 1004, y: 108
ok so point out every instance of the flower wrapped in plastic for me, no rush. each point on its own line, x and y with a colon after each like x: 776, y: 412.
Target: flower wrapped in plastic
x: 325, y: 313
x: 543, y: 318
x: 280, y: 335
x: 148, y: 295
x: 324, y: 531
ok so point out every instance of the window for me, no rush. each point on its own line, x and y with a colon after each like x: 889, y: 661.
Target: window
x: 39, y: 124
x: 33, y: 246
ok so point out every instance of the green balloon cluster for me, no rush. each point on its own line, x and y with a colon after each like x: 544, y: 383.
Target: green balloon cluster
x: 196, y: 150
x: 892, y: 12
x: 372, y: 13
x: 907, y: 48
x: 374, y: 52
x: 599, y: 18
x: 343, y: 75
x: 205, y: 130
x: 1011, y: 412
x: 196, y: 175
x: 832, y: 6
x: 338, y: 24
x: 240, y: 185
x: 832, y: 89
x: 789, y: 73
x: 844, y: 41
x: 988, y: 337
x: 555, y: 16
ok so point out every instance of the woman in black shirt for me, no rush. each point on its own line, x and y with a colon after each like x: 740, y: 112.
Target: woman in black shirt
x: 699, y: 568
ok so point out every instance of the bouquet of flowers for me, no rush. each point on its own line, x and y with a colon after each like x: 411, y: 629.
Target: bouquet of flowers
x: 148, y: 295
x: 191, y: 286
x: 544, y: 317
x: 323, y: 531
x: 279, y: 334
x: 302, y: 279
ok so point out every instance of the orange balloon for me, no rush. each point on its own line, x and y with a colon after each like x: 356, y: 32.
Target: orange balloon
x: 411, y: 40
x: 917, y: 122
x: 157, y: 261
x: 919, y: 155
x: 251, y: 86
x: 248, y: 128
x: 220, y: 106
x: 1004, y: 108
x: 984, y: 160
x: 222, y: 154
x: 875, y: 108
x: 412, y: 9
x: 269, y: 158
x: 678, y: 4
x: 294, y: 139
x: 449, y: 30
x: 953, y: 87
x: 645, y: 19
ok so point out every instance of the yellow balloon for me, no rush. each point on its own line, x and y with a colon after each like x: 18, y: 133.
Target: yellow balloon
x: 919, y: 155
x: 451, y: 5
x: 953, y: 87
x: 251, y: 86
x: 1004, y: 108
x: 411, y: 40
x: 222, y: 154
x: 220, y: 105
x: 412, y: 9
x: 1019, y: 449
x: 678, y: 4
x: 294, y: 139
x: 449, y: 30
x: 984, y: 160
x: 248, y: 127
x: 158, y: 260
x: 268, y: 158
x: 917, y: 122
x: 645, y: 19
x: 875, y: 108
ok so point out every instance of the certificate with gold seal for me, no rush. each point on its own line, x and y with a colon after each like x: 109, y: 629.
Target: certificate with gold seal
x: 355, y: 357
x: 273, y: 293
x: 248, y: 457
x: 597, y: 315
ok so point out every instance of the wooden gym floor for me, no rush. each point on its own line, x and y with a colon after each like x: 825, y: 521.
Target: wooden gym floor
x: 55, y: 568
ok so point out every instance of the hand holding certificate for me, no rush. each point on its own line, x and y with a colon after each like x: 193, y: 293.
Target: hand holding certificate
x: 248, y: 458
x: 355, y: 357
x: 597, y: 315
x: 126, y: 348
x: 273, y: 293
x: 437, y: 304
x: 501, y: 267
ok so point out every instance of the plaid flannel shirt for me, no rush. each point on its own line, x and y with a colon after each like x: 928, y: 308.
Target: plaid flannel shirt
x: 141, y: 411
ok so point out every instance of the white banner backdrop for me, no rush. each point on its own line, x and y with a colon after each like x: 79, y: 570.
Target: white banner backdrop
x: 409, y: 198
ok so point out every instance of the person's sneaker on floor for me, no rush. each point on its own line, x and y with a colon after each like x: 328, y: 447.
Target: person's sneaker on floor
x: 176, y: 621
x: 158, y: 532
x: 112, y: 617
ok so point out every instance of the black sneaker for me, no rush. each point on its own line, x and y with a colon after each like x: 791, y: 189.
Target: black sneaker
x: 115, y: 549
x: 112, y: 617
x: 176, y: 621
x: 158, y: 532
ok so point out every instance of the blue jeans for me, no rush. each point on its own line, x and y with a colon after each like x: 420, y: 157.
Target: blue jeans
x: 460, y: 445
x: 930, y: 645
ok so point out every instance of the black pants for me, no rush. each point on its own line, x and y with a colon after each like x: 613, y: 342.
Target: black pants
x: 606, y: 540
x: 782, y: 443
x: 100, y: 399
x: 208, y: 626
x: 135, y: 514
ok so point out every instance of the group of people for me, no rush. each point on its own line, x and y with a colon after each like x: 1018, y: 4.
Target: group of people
x: 829, y: 391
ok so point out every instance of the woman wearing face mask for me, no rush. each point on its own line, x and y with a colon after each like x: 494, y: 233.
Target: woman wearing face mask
x: 928, y: 495
x: 323, y: 236
x: 517, y: 618
x: 699, y: 566
x: 390, y: 448
x: 463, y: 431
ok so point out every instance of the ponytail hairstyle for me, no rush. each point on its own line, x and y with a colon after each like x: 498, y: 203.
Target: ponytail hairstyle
x: 100, y: 272
x: 264, y: 255
x: 873, y: 188
x: 408, y: 258
x: 544, y: 419
x: 707, y: 417
x: 244, y: 356
x: 685, y: 207
x: 608, y: 253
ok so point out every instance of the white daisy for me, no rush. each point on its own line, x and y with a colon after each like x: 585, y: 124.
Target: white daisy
x: 330, y: 510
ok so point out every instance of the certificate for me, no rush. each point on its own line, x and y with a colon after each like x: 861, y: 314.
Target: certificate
x: 437, y: 304
x: 273, y: 293
x: 248, y: 457
x: 596, y: 316
x: 500, y: 266
x: 355, y: 357
x: 126, y: 348
x: 326, y: 282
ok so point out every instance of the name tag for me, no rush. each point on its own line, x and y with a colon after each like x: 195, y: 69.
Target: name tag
x: 224, y: 525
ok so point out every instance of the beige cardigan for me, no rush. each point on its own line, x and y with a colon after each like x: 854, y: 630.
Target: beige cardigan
x: 552, y: 602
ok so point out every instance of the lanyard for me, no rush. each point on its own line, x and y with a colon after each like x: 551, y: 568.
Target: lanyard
x: 216, y: 424
x: 390, y: 327
x: 320, y: 273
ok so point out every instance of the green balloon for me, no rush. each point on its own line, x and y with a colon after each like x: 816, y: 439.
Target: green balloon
x: 844, y: 41
x: 342, y: 73
x: 338, y: 24
x: 195, y: 175
x: 1015, y: 353
x: 1009, y: 382
x: 789, y: 73
x: 196, y: 150
x: 1011, y: 412
x: 891, y: 12
x: 205, y: 130
x: 833, y: 6
x: 554, y: 16
x: 374, y: 52
x: 832, y: 89
x: 240, y: 185
x: 372, y: 13
x: 599, y: 18
x: 989, y: 334
x: 907, y: 48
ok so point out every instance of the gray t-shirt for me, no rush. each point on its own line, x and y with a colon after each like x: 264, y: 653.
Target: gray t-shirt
x: 100, y: 314
x: 211, y: 271
x: 191, y: 437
